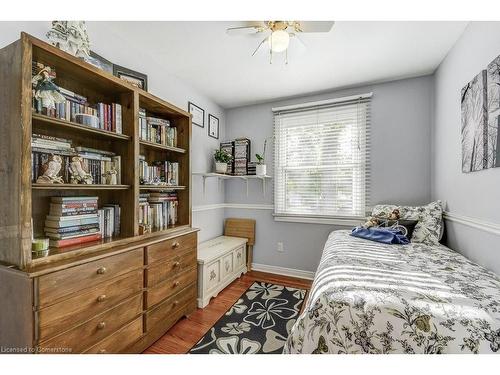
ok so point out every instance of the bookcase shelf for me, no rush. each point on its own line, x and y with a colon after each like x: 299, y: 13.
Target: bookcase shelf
x: 162, y: 147
x: 37, y: 186
x: 29, y: 203
x: 73, y: 126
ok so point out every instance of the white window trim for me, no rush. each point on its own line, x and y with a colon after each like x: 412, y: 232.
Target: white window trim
x: 311, y: 219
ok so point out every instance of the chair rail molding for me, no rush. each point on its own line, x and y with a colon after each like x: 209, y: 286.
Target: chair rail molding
x: 245, y: 206
x: 473, y: 222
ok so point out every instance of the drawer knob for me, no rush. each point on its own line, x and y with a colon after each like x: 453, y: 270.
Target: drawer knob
x: 101, y: 298
x: 101, y: 325
x: 176, y: 284
x: 101, y: 270
x: 175, y: 245
x: 177, y: 264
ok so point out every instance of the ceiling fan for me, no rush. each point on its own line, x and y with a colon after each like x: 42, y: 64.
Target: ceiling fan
x: 278, y: 33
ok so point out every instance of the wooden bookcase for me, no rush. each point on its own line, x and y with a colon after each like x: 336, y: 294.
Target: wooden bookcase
x: 24, y: 205
x: 110, y: 296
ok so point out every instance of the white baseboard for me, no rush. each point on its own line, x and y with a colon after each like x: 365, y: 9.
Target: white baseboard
x: 300, y: 274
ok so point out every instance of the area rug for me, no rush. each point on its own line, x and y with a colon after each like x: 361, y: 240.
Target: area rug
x: 259, y: 322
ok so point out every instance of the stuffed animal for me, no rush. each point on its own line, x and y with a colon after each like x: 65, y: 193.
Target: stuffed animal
x: 372, y: 222
x: 394, y: 215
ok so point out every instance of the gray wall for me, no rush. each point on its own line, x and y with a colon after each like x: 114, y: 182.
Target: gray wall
x: 473, y: 195
x: 400, y: 165
x: 109, y: 44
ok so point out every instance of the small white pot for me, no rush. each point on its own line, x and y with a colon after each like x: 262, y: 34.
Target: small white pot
x: 261, y: 170
x: 220, y: 167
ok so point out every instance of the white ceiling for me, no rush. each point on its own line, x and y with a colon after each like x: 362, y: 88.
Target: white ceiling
x: 352, y: 53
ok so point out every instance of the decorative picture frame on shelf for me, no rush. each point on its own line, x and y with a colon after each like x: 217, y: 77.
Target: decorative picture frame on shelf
x: 101, y: 62
x: 198, y: 114
x: 213, y: 126
x: 134, y: 78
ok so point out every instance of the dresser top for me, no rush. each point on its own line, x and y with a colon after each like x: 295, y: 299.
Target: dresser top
x: 217, y: 247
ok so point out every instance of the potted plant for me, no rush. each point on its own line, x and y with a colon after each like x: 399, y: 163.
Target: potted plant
x: 221, y: 157
x: 261, y: 169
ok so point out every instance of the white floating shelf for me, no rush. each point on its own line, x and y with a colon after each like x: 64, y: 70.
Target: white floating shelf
x: 222, y: 177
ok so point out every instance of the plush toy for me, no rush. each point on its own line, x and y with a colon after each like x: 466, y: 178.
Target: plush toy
x: 372, y: 222
x: 394, y: 215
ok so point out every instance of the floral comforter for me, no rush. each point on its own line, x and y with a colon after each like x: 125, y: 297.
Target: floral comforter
x: 369, y: 297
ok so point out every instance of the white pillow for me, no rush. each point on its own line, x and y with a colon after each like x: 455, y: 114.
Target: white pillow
x: 430, y: 220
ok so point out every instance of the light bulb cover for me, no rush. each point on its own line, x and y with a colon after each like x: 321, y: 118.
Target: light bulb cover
x: 279, y: 41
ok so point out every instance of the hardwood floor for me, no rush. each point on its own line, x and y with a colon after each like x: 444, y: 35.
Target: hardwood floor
x: 188, y: 331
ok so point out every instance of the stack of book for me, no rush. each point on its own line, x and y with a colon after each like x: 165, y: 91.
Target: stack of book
x: 99, y: 162
x: 109, y: 116
x: 158, y: 210
x: 42, y: 147
x: 159, y: 171
x: 252, y: 168
x: 72, y: 221
x: 156, y: 130
x: 109, y: 220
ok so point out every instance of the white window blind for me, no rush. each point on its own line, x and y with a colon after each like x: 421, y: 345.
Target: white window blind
x: 322, y: 159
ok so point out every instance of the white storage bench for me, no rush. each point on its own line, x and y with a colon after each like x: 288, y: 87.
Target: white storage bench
x: 220, y: 261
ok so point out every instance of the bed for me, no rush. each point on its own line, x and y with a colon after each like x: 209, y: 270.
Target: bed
x: 369, y: 297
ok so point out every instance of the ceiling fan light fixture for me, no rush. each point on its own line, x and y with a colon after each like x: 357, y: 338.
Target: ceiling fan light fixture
x: 279, y: 41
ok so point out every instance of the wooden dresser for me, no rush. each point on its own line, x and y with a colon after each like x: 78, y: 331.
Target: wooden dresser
x: 118, y: 301
x: 114, y: 295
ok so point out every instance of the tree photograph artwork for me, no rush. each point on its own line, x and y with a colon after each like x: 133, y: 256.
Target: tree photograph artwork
x: 474, y: 124
x: 493, y: 78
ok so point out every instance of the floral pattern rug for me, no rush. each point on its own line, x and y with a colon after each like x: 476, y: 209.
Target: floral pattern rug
x: 259, y: 322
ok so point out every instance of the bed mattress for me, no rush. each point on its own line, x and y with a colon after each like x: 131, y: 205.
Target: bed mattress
x: 369, y: 297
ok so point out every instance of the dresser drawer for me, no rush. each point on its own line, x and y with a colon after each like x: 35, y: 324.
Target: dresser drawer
x: 60, y: 284
x: 167, y: 268
x: 169, y: 287
x: 120, y: 340
x: 172, y: 308
x: 227, y: 265
x: 91, y: 332
x: 172, y: 247
x: 84, y: 305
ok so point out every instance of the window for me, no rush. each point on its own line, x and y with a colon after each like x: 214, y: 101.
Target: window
x: 321, y: 160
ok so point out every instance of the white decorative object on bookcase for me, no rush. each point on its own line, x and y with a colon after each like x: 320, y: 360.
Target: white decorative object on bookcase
x: 261, y: 169
x: 71, y: 37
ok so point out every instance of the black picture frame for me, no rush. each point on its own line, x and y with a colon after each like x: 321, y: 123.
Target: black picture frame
x: 101, y: 62
x: 136, y: 79
x: 195, y: 110
x: 213, y: 122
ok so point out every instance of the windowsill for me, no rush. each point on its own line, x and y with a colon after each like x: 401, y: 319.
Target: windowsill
x: 331, y: 220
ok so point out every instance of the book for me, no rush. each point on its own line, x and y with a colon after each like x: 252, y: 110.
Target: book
x: 71, y: 229
x: 63, y: 236
x: 75, y: 241
x: 70, y: 218
x: 74, y: 199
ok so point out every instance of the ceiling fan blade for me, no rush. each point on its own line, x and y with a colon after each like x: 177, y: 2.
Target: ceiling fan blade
x: 244, y: 30
x: 314, y: 26
x: 260, y: 44
x: 299, y: 39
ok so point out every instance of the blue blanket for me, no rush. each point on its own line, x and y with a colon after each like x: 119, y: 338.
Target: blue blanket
x: 384, y: 235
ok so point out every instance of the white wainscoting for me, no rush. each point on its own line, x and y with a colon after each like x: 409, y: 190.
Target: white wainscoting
x: 473, y: 222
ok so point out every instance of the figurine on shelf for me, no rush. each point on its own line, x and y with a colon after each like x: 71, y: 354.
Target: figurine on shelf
x: 71, y: 37
x: 144, y: 228
x: 45, y: 90
x: 78, y: 173
x: 110, y: 177
x: 50, y: 171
